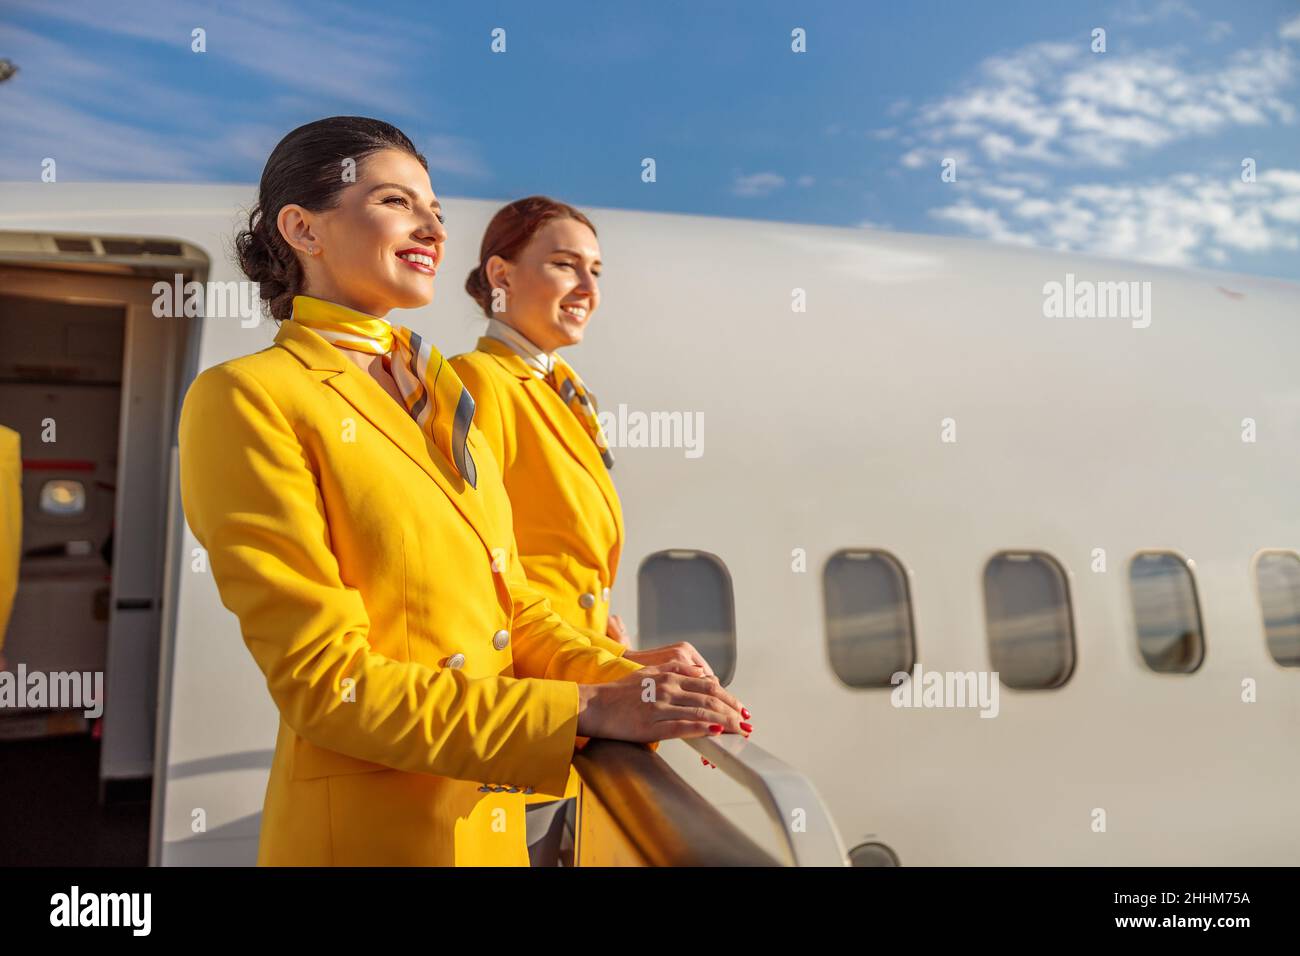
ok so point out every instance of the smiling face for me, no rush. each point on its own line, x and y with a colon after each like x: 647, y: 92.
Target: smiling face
x: 380, y: 247
x: 551, y: 289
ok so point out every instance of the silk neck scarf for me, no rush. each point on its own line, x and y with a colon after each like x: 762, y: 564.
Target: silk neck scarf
x: 540, y: 362
x: 582, y: 403
x: 560, y: 375
x: 433, y: 393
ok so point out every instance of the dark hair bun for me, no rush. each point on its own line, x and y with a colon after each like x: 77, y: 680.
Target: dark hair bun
x: 476, y: 284
x: 268, y: 260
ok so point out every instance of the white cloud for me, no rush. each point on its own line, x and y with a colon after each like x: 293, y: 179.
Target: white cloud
x: 995, y: 145
x: 935, y: 157
x: 84, y: 110
x: 84, y: 146
x: 1187, y: 219
x: 1218, y: 30
x: 914, y: 159
x: 1291, y: 29
x: 1285, y: 180
x: 1059, y: 104
x: 987, y: 223
x: 1142, y: 14
x: 331, y: 49
x: 1033, y: 180
x: 1287, y: 210
x: 1000, y: 193
x: 757, y: 184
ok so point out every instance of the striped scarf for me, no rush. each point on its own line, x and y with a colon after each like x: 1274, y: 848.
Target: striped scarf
x: 581, y: 402
x: 420, y: 371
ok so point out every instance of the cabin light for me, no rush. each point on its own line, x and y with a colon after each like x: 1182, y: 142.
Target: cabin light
x: 63, y: 497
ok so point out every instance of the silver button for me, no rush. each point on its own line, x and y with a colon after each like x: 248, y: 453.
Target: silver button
x: 500, y: 639
x: 588, y: 601
x: 456, y: 660
x: 604, y: 595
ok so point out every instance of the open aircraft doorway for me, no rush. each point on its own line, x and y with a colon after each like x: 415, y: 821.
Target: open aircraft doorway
x: 90, y: 380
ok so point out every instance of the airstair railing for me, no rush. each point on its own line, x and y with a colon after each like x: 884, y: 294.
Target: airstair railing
x: 635, y: 810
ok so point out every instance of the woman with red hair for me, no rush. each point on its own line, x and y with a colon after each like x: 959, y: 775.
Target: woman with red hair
x: 537, y: 282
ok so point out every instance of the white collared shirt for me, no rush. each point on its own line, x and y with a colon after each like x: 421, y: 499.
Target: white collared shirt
x: 540, y: 362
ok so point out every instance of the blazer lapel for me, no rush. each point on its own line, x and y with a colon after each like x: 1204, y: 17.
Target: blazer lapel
x: 562, y: 422
x: 379, y: 408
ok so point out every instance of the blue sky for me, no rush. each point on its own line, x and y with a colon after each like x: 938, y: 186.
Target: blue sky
x: 1135, y: 152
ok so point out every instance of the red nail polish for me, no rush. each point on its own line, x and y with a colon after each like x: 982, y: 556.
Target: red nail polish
x: 744, y: 712
x: 746, y: 727
x: 704, y: 760
x: 715, y: 728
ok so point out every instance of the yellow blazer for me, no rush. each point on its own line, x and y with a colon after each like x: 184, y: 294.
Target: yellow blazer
x: 568, y: 521
x: 417, y: 674
x: 11, y: 521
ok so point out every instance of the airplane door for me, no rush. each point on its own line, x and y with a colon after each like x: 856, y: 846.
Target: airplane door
x: 96, y: 328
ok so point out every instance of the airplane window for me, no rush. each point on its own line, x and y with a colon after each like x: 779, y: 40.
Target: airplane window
x: 868, y: 618
x: 1277, y: 574
x: 686, y: 596
x: 1164, y: 606
x: 1030, y: 626
x: 63, y: 497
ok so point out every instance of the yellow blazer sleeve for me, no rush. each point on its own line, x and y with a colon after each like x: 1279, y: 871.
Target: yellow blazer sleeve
x: 605, y: 642
x: 251, y: 499
x: 565, y: 651
x: 11, y: 521
x: 545, y: 645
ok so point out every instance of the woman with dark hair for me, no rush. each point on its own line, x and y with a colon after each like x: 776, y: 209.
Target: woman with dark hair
x: 537, y: 282
x: 356, y: 524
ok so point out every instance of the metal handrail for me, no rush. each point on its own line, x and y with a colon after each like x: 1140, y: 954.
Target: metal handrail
x: 662, y: 818
x: 666, y: 822
x: 790, y: 800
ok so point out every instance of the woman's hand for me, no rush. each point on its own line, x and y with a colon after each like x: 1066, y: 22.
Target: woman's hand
x: 661, y: 702
x: 681, y: 652
x: 615, y: 630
